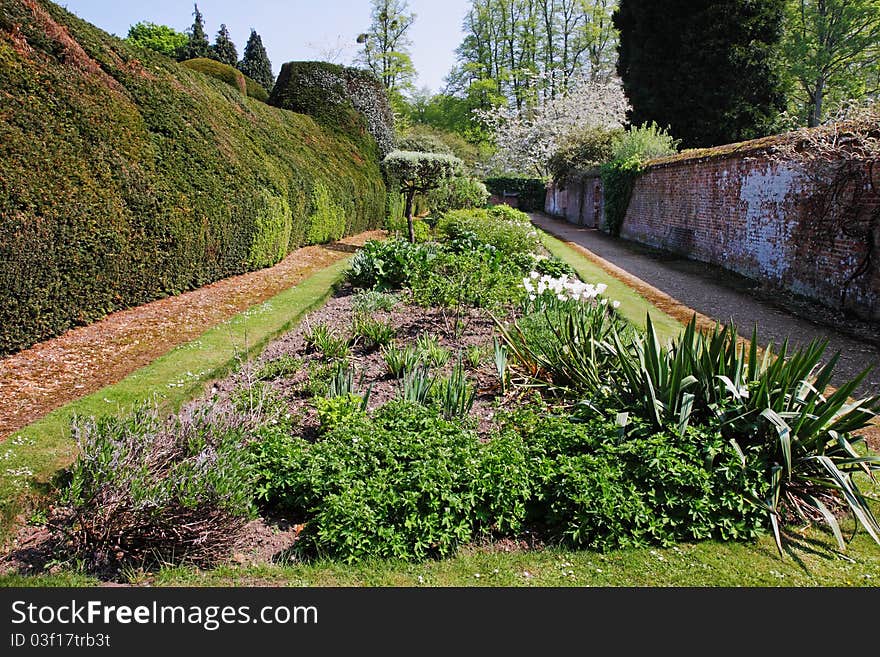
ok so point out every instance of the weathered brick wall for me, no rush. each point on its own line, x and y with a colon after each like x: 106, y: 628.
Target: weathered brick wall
x: 578, y: 201
x: 771, y: 221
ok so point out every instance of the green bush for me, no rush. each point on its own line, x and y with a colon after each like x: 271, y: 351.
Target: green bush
x: 509, y: 236
x: 387, y: 265
x: 481, y: 278
x: 583, y: 151
x: 643, y: 143
x: 595, y: 488
x: 144, y: 491
x: 458, y: 193
x: 405, y: 484
x: 148, y: 179
x: 327, y: 222
x: 343, y: 98
x: 223, y: 72
x: 618, y: 180
x: 278, y: 368
x: 532, y: 193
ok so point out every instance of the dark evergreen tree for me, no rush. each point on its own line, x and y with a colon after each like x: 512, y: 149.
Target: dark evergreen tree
x: 197, y: 45
x: 255, y: 64
x: 223, y: 49
x: 701, y: 67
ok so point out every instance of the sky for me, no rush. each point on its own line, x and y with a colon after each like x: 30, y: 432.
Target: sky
x: 295, y: 29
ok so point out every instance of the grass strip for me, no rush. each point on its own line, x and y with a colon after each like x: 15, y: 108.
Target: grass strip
x: 30, y: 458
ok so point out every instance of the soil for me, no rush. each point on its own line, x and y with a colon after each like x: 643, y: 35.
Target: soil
x: 36, y: 381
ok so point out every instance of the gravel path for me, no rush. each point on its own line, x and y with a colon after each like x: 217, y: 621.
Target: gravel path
x: 722, y: 295
x: 38, y: 380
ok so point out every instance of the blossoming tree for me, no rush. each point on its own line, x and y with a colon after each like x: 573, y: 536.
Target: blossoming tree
x: 527, y: 140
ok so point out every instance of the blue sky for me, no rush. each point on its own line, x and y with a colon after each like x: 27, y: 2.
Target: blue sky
x: 294, y: 29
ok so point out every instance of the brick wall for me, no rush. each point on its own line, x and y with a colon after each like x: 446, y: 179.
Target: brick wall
x: 770, y: 221
x: 578, y: 201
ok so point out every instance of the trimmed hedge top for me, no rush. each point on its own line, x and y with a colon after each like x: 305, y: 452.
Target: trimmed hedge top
x: 332, y: 93
x: 231, y: 76
x: 126, y: 177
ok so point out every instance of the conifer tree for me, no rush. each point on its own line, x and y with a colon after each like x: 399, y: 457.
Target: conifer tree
x: 197, y: 44
x: 224, y: 50
x: 255, y: 64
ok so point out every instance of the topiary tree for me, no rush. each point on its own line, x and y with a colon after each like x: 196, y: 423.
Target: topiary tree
x: 224, y: 50
x: 197, y: 45
x: 255, y: 63
x: 419, y: 173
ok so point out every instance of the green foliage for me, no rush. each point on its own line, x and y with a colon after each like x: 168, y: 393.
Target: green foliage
x: 643, y: 143
x: 328, y: 342
x: 707, y: 71
x: 509, y: 231
x: 774, y: 410
x: 473, y: 356
x: 455, y: 394
x: 405, y: 484
x: 341, y: 98
x: 553, y: 267
x: 327, y: 222
x: 197, y: 41
x: 417, y: 385
x: 431, y: 352
x: 255, y: 63
x: 482, y: 278
x: 501, y: 358
x: 597, y: 489
x: 375, y: 333
x: 582, y: 151
x: 371, y: 301
x: 423, y: 143
x: 149, y: 179
x: 567, y: 346
x: 336, y: 410
x: 159, y: 38
x: 460, y: 192
x: 282, y: 367
x: 231, y: 76
x: 531, y: 192
x: 147, y: 491
x: 387, y: 265
x: 618, y: 181
x: 400, y: 360
x: 224, y: 50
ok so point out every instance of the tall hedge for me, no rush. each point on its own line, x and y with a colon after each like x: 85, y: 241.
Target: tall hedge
x: 531, y: 192
x: 125, y: 177
x: 337, y: 96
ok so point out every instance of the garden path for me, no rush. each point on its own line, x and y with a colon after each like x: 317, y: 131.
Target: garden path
x: 83, y: 360
x: 687, y: 285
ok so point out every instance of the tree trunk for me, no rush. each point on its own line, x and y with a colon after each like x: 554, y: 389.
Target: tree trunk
x: 409, y: 216
x: 816, y: 105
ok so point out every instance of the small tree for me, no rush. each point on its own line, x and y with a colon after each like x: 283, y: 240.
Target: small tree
x: 161, y: 38
x: 197, y: 46
x: 224, y: 50
x: 255, y: 64
x: 419, y: 173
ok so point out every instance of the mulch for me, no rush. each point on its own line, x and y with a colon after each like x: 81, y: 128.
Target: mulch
x: 36, y: 381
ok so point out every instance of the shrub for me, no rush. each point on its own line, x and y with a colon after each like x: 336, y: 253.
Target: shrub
x: 230, y: 75
x: 643, y: 143
x: 179, y: 180
x: 482, y: 278
x: 387, y: 265
x: 512, y: 235
x: 327, y: 222
x: 340, y: 97
x: 145, y: 491
x: 337, y: 410
x: 461, y: 192
x: 371, y: 301
x: 532, y: 193
x: 405, y: 484
x: 582, y: 151
x: 774, y: 410
x: 595, y: 488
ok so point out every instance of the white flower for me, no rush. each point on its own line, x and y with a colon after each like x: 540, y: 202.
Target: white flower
x: 603, y: 302
x: 601, y: 287
x: 615, y: 305
x: 534, y: 275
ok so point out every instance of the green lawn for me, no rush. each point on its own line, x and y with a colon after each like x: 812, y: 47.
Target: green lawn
x: 702, y: 564
x: 633, y: 306
x: 38, y: 451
